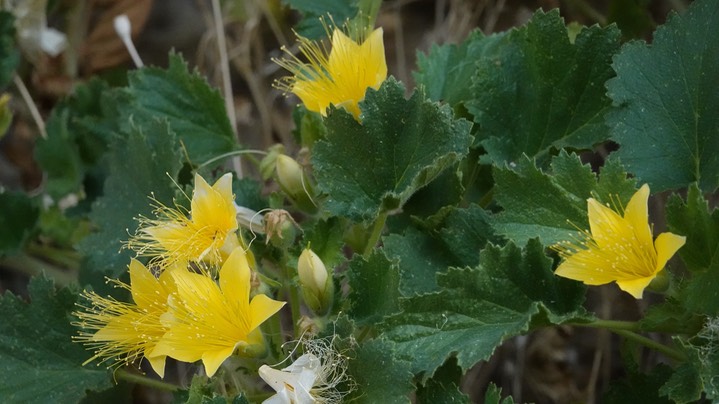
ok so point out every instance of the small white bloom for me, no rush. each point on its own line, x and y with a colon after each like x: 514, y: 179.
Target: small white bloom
x: 294, y: 383
x: 313, y: 378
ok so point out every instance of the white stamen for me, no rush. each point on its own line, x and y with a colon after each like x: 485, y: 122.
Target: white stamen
x: 123, y: 28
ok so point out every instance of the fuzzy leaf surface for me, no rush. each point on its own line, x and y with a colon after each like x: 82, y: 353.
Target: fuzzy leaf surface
x: 140, y: 165
x: 38, y: 359
x: 455, y: 240
x: 700, y: 225
x: 445, y: 70
x: 478, y: 308
x: 540, y: 91
x: 380, y: 376
x: 402, y: 145
x: 375, y: 284
x: 194, y: 110
x: 666, y: 101
x: 551, y: 205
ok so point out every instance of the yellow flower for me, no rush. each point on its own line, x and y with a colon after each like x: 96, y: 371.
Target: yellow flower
x: 619, y: 248
x: 207, y: 234
x: 124, y: 331
x: 208, y: 321
x: 340, y: 78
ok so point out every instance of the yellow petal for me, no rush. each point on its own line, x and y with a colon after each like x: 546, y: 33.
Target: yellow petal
x: 235, y: 280
x: 637, y: 215
x: 635, y: 287
x: 172, y: 236
x: 375, y: 64
x: 262, y: 308
x: 143, y: 285
x: 213, y: 209
x: 223, y: 186
x: 158, y: 365
x: 605, y: 224
x: 213, y: 359
x: 667, y: 244
x: 585, y: 266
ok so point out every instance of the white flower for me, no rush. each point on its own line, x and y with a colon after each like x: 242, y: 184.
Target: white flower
x: 294, y: 383
x: 313, y: 378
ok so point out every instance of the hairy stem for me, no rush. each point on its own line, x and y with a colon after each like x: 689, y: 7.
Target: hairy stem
x: 376, y: 233
x: 122, y: 374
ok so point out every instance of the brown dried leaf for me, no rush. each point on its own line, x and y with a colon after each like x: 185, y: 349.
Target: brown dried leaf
x: 103, y: 48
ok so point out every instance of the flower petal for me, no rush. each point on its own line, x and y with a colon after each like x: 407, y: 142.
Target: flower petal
x: 585, y: 266
x: 223, y: 186
x: 667, y: 245
x: 605, y: 224
x: 235, y: 280
x: 637, y: 215
x: 213, y: 359
x: 374, y: 62
x: 262, y: 308
x: 158, y: 365
x: 143, y: 284
x: 635, y: 287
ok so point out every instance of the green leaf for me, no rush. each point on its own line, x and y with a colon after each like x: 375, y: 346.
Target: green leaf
x: 552, y: 206
x: 248, y: 193
x: 699, y: 224
x: 445, y: 70
x: 455, y: 240
x: 194, y: 110
x: 699, y: 375
x: 406, y: 142
x: 9, y: 55
x: 445, y: 190
x: 325, y: 239
x: 640, y: 388
x: 694, y: 220
x: 374, y: 283
x: 140, y: 166
x: 478, y: 308
x: 671, y: 316
x: 493, y: 395
x: 379, y: 376
x: 632, y: 17
x: 38, y: 360
x: 666, y: 101
x: 465, y: 232
x: 444, y: 386
x: 311, y: 27
x: 17, y: 221
x: 539, y: 91
x: 78, y: 131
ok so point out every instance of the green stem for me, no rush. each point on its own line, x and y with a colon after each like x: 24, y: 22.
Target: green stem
x: 230, y: 154
x: 293, y: 295
x: 376, y: 233
x: 629, y: 329
x: 67, y: 258
x: 369, y: 9
x: 650, y: 343
x: 31, y: 266
x: 122, y: 374
x: 613, y: 325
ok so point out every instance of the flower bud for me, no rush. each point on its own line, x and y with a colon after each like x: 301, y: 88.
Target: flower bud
x: 267, y: 165
x: 280, y: 228
x: 289, y: 175
x: 315, y: 282
x: 294, y: 183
